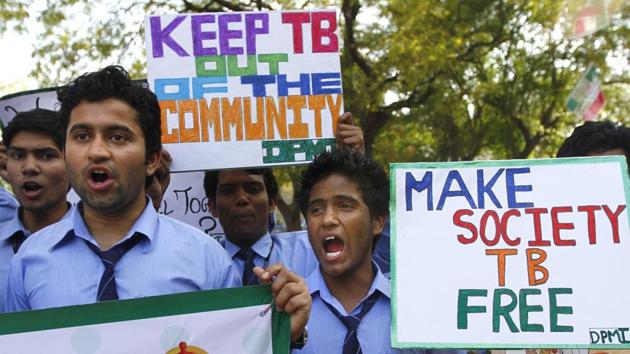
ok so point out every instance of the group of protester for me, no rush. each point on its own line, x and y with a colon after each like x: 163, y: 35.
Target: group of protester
x: 105, y: 143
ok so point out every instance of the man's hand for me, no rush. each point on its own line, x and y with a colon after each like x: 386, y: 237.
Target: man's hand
x: 348, y: 134
x: 290, y: 293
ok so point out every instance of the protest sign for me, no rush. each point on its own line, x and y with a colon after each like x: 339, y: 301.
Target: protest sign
x: 511, y: 254
x: 10, y: 105
x: 185, y: 200
x: 240, y: 320
x: 245, y: 89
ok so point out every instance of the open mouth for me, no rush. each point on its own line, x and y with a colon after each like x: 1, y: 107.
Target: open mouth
x: 31, y: 188
x: 99, y: 179
x: 99, y: 176
x: 333, y: 247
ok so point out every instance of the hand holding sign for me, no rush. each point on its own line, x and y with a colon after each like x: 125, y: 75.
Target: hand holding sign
x: 290, y: 294
x: 348, y: 134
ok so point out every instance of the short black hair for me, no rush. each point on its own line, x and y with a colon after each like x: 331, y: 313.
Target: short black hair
x: 114, y: 82
x: 596, y: 137
x: 39, y: 120
x: 369, y: 176
x: 211, y: 180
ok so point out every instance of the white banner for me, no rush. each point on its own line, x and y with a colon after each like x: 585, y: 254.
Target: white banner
x: 511, y: 254
x: 239, y: 321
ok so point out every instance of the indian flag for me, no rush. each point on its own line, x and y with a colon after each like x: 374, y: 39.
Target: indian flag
x: 236, y: 321
x: 587, y: 99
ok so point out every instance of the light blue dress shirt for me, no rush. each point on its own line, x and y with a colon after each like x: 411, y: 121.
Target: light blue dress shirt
x: 7, y: 230
x: 326, y: 333
x: 8, y: 205
x: 291, y: 249
x: 55, y: 267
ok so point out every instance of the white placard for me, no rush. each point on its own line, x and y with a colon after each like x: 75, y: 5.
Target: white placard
x: 10, y: 105
x: 511, y: 254
x: 245, y: 89
x: 185, y: 200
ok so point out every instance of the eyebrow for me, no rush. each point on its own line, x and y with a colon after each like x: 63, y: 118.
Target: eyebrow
x: 121, y: 127
x: 37, y: 150
x: 110, y: 128
x: 79, y: 126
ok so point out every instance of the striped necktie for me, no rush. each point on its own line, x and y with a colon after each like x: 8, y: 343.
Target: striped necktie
x: 351, y: 343
x: 107, y: 286
x: 247, y: 256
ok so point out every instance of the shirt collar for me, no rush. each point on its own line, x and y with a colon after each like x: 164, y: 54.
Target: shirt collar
x: 10, y: 227
x: 316, y: 284
x: 15, y: 224
x: 146, y: 225
x: 262, y: 247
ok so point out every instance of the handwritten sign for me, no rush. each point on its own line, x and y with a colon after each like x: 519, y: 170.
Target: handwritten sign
x: 185, y: 200
x: 10, y: 105
x: 245, y: 89
x: 511, y: 254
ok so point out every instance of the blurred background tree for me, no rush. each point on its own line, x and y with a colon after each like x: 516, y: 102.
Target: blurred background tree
x: 427, y: 80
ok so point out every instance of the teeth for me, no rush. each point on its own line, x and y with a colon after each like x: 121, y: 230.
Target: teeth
x: 333, y: 254
x: 329, y: 238
x: 100, y: 171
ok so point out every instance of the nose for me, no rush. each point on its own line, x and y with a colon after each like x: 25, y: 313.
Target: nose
x: 98, y: 149
x: 330, y: 217
x: 31, y: 166
x: 242, y: 198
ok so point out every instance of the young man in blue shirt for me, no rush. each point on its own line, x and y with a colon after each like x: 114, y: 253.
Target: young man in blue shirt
x: 37, y: 173
x: 244, y: 201
x: 345, y: 198
x: 115, y: 245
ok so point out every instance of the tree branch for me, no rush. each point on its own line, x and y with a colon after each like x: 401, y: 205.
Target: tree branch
x: 350, y: 9
x: 617, y: 80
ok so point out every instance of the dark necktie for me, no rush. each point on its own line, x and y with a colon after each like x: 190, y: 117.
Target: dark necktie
x: 351, y: 343
x: 107, y: 286
x: 17, y: 240
x: 247, y: 256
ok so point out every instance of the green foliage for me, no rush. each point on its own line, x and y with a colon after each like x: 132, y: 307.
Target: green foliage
x: 13, y: 13
x: 428, y: 80
x: 493, y: 77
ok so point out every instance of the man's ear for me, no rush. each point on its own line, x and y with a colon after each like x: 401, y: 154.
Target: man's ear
x: 212, y: 206
x: 152, y: 163
x: 378, y: 223
x: 272, y: 205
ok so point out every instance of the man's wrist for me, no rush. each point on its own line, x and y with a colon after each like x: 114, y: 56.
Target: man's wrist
x: 301, y: 341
